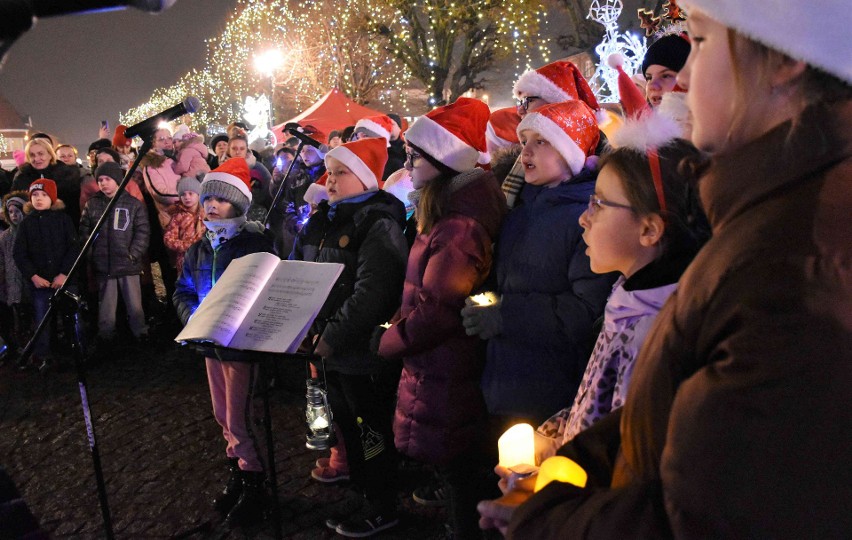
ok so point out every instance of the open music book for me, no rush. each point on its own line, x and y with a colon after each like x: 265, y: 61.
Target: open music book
x: 261, y: 303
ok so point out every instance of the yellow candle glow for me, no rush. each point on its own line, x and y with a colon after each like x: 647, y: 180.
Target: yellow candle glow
x: 561, y: 469
x: 484, y: 299
x: 517, y: 446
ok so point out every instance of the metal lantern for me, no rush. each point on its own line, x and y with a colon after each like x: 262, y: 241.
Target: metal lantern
x: 318, y: 418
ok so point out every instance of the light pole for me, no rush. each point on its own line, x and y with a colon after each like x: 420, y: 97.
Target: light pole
x: 268, y: 62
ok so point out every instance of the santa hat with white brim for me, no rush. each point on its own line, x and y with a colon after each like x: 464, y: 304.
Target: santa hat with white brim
x: 454, y: 134
x: 366, y: 158
x: 570, y: 127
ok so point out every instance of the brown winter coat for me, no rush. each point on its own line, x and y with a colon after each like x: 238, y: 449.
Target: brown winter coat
x: 737, y: 424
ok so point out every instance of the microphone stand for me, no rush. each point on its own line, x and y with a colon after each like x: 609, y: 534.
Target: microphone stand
x: 71, y: 303
x: 280, y: 192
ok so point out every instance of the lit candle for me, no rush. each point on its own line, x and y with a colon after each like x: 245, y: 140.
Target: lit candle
x: 561, y: 469
x: 483, y: 299
x: 517, y: 446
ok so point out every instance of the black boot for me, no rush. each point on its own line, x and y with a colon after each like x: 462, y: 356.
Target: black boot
x: 229, y: 496
x: 249, y: 510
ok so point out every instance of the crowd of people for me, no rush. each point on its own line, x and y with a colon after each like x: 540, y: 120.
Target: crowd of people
x: 667, y: 298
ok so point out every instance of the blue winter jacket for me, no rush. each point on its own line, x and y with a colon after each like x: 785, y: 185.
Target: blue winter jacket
x: 550, y: 300
x: 203, y: 265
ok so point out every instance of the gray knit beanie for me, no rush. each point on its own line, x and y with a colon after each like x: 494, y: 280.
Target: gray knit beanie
x: 231, y: 182
x: 188, y: 183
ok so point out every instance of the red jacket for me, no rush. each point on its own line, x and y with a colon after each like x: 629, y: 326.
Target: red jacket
x: 440, y: 410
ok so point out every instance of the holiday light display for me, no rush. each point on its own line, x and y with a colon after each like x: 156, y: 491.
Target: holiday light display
x: 448, y: 45
x: 604, y: 82
x: 323, y: 45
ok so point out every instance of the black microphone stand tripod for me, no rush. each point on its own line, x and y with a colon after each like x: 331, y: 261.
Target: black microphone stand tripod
x: 69, y: 303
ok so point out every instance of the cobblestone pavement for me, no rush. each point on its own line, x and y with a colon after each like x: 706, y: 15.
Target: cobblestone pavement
x: 162, y: 452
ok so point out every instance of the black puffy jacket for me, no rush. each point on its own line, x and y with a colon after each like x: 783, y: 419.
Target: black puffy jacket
x: 123, y: 238
x: 367, y: 238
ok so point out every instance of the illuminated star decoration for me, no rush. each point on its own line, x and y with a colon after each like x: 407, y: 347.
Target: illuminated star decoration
x: 649, y: 22
x: 672, y: 11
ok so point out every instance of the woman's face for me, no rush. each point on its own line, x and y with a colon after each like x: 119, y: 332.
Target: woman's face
x: 38, y: 157
x: 421, y: 171
x: 237, y: 148
x: 66, y: 155
x: 611, y: 232
x: 543, y: 164
x: 709, y: 78
x: 660, y: 80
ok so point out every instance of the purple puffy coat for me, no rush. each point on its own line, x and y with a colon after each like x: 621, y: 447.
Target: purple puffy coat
x: 440, y: 411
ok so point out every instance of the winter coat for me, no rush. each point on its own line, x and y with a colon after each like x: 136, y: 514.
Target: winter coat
x: 67, y: 180
x: 365, y: 236
x: 192, y: 159
x: 630, y: 312
x: 737, y: 420
x: 440, y: 412
x: 550, y: 300
x: 184, y: 229
x: 203, y: 265
x: 123, y: 239
x: 260, y: 180
x: 13, y: 287
x: 160, y: 181
x: 46, y: 243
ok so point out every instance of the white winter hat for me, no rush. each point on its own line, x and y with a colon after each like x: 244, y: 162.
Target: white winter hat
x: 814, y: 32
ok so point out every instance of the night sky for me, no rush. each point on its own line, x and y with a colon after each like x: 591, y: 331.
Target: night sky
x: 69, y: 73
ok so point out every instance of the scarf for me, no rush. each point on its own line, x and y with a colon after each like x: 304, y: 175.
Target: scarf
x: 220, y: 231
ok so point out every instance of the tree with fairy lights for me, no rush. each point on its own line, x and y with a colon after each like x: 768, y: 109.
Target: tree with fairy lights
x: 323, y: 44
x: 449, y: 45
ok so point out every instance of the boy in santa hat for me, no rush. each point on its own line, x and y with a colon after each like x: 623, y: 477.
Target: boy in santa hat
x: 548, y: 296
x: 360, y: 227
x: 226, y: 196
x: 554, y: 83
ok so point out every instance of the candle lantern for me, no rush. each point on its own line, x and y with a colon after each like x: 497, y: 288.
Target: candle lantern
x: 561, y: 469
x: 318, y: 417
x: 517, y: 446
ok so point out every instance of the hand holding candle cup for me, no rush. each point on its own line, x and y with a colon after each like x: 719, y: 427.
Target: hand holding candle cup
x: 481, y: 315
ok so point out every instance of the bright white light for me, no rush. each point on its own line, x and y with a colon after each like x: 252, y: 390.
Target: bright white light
x: 268, y: 62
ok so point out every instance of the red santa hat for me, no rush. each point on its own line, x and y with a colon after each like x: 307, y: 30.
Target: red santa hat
x: 500, y: 132
x: 230, y: 181
x: 556, y: 82
x: 454, y: 134
x: 632, y: 100
x: 570, y: 127
x: 366, y: 158
x: 317, y: 192
x: 376, y: 126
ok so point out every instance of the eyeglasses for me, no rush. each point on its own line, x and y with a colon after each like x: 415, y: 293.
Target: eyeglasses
x: 161, y: 139
x: 524, y: 102
x: 595, y: 203
x: 410, y: 157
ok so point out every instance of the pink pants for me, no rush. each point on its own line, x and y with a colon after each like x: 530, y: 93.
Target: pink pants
x: 231, y: 390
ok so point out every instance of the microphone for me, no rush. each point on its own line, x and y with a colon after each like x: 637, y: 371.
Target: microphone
x: 51, y: 8
x: 304, y: 138
x: 149, y: 125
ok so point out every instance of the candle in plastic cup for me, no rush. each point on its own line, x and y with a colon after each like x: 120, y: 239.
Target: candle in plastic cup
x: 517, y: 446
x: 561, y: 469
